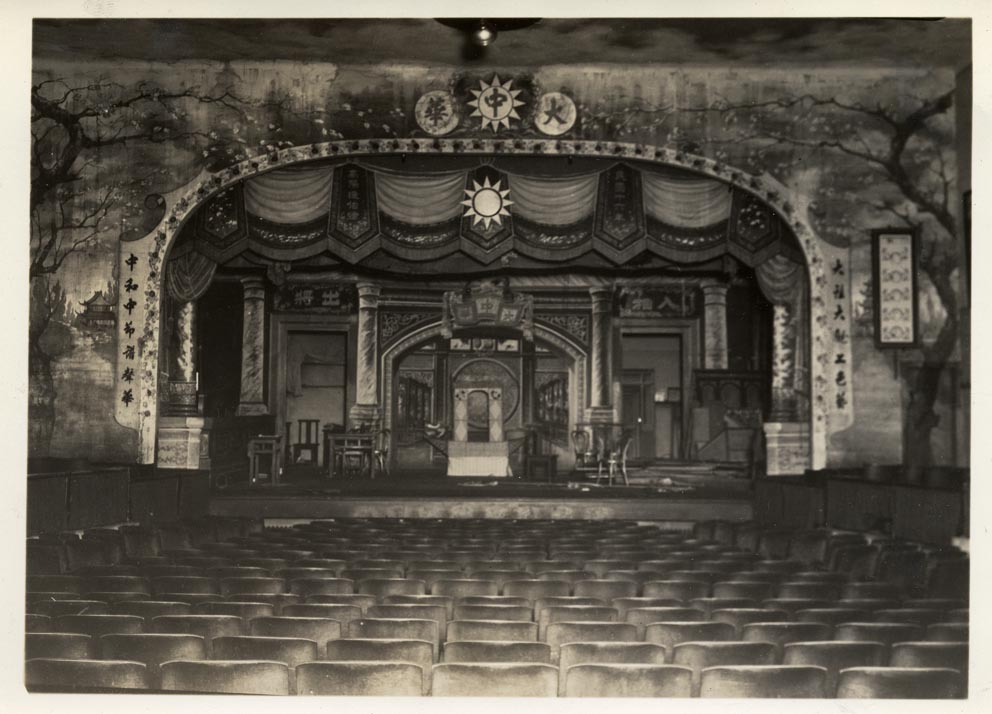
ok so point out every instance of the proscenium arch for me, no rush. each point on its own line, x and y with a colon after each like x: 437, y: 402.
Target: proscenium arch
x: 428, y: 331
x: 182, y: 203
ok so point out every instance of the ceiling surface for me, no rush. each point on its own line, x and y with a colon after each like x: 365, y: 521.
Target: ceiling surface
x: 752, y: 41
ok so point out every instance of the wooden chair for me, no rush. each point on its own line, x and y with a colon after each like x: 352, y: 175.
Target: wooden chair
x: 265, y: 459
x: 307, y: 441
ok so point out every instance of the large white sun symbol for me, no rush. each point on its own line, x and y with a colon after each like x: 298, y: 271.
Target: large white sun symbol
x: 486, y: 203
x: 496, y: 103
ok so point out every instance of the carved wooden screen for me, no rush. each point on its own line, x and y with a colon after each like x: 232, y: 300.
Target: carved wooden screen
x: 413, y: 404
x: 552, y: 406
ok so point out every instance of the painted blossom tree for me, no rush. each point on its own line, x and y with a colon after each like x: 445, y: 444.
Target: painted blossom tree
x: 892, y: 162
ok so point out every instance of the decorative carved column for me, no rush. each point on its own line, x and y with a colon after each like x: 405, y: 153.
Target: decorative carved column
x: 366, y: 408
x: 601, y: 355
x: 185, y: 354
x: 783, y: 365
x: 715, y: 325
x: 252, y: 400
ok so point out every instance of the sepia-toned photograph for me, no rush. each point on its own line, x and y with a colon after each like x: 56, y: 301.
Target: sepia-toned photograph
x: 515, y: 357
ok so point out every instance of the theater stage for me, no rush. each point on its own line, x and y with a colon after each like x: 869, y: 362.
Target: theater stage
x: 652, y: 496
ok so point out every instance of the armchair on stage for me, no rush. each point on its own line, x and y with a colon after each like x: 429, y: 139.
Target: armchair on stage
x: 604, y: 452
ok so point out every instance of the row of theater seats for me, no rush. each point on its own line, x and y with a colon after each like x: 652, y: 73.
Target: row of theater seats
x: 514, y: 596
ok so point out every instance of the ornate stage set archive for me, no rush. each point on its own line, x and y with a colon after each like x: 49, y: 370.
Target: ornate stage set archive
x: 619, y: 358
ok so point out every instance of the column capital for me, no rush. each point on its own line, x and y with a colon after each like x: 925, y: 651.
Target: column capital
x: 715, y: 289
x: 254, y: 288
x: 602, y: 297
x: 368, y: 295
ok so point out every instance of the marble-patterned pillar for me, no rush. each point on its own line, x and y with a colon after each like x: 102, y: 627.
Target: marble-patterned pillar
x: 715, y: 352
x: 252, y: 400
x: 366, y: 408
x: 186, y: 348
x: 783, y: 407
x: 600, y: 386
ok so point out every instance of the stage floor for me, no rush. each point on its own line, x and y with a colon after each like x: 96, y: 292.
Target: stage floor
x: 692, y: 497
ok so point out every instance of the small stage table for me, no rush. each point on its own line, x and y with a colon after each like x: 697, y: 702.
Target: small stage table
x: 479, y: 458
x: 337, y: 444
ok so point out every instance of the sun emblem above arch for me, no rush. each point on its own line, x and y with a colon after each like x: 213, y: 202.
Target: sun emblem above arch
x: 496, y: 103
x: 486, y: 203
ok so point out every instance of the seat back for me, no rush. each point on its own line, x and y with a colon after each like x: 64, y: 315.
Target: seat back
x: 683, y: 590
x: 782, y: 633
x: 318, y: 629
x: 947, y: 632
x: 605, y: 589
x: 494, y: 612
x: 942, y: 655
x: 96, y: 625
x: 395, y: 629
x: 900, y: 683
x: 834, y: 656
x: 207, y: 626
x: 764, y: 681
x: 57, y: 645
x: 697, y: 656
x: 495, y: 680
x: 152, y: 649
x: 884, y: 632
x: 342, y: 613
x: 381, y: 587
x: 466, y: 651
x: 626, y: 680
x: 353, y: 679
x: 560, y: 633
x: 464, y: 587
x: 150, y: 608
x: 535, y: 589
x: 577, y: 653
x: 492, y: 631
x: 66, y: 675
x: 226, y: 677
x: 418, y: 652
x: 741, y: 616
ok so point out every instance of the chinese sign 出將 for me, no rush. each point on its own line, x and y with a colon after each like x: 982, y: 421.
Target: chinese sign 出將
x: 336, y: 298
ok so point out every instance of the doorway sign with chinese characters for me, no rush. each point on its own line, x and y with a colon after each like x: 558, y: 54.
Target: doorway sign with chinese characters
x: 838, y: 373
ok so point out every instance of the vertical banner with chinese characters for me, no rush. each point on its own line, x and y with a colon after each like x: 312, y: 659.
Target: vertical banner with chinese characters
x: 837, y: 384
x: 131, y: 288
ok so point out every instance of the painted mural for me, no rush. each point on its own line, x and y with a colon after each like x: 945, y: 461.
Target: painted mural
x: 842, y: 152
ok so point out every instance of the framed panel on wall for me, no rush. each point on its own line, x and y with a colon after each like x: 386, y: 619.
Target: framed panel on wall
x: 894, y: 277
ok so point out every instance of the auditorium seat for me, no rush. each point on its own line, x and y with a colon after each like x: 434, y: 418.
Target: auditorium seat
x: 245, y: 610
x: 600, y: 567
x: 361, y: 601
x: 565, y: 600
x: 871, y: 590
x: 944, y: 655
x: 445, y: 601
x: 288, y: 650
x: 169, y: 570
x: 534, y: 589
x: 473, y: 566
x: 491, y: 651
x: 834, y: 656
x: 465, y: 587
x: 870, y: 604
x: 561, y: 633
x: 833, y: 615
x: 116, y: 583
x: 452, y: 565
x: 430, y: 577
x: 58, y: 645
x: 57, y: 608
x: 624, y: 604
x: 183, y: 584
x: 945, y: 604
x: 684, y: 590
x: 437, y: 613
x: 960, y: 615
x: 783, y: 567
x: 46, y: 559
x: 709, y: 604
x: 626, y: 680
x: 782, y: 633
x: 764, y: 681
x: 149, y: 608
x: 38, y: 623
x: 207, y: 626
x: 494, y: 612
x: 270, y: 565
x: 699, y: 655
x: 917, y: 616
x: 342, y: 613
x: 606, y: 589
x: 54, y: 583
x: 395, y: 629
x: 96, y: 625
x: 226, y: 677
x: 67, y: 675
x: 352, y: 679
x: 946, y: 632
x: 320, y: 630
x: 381, y: 587
x: 239, y: 586
x: 884, y: 632
x: 576, y: 653
x: 900, y: 683
x: 740, y: 616
x: 813, y: 591
x: 743, y: 589
x: 492, y: 630
x: 495, y: 680
x: 858, y: 561
x: 152, y: 649
x: 641, y: 617
x: 819, y: 576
